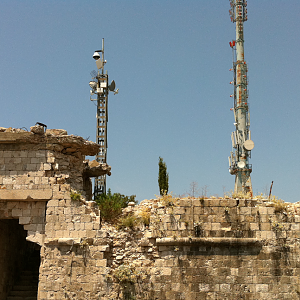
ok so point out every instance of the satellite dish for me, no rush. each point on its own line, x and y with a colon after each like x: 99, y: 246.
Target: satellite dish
x: 231, y: 171
x: 241, y: 164
x: 248, y: 145
x: 112, y: 86
x: 93, y: 84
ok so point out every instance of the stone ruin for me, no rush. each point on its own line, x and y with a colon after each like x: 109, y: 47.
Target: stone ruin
x: 40, y: 171
x: 54, y: 245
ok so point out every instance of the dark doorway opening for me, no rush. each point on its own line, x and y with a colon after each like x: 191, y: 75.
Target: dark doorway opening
x: 19, y: 262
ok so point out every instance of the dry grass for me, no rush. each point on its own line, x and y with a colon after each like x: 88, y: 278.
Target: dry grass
x: 145, y: 216
x: 129, y: 221
x: 279, y: 204
x: 168, y: 200
x: 237, y: 195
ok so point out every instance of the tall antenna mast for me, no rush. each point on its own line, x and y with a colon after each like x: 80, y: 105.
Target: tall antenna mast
x: 241, y: 138
x: 99, y: 86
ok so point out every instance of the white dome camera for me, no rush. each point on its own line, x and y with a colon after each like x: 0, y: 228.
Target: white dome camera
x: 96, y: 56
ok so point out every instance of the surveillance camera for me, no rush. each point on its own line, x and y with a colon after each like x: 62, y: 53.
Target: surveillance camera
x: 96, y: 56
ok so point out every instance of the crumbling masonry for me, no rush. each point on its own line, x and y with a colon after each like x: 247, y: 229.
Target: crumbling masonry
x: 191, y: 249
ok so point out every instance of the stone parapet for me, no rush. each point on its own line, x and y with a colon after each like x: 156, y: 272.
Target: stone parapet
x: 65, y: 143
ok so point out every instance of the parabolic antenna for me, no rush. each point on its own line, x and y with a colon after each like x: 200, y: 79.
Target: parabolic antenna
x: 112, y: 86
x: 99, y: 63
x: 249, y: 145
x: 241, y: 164
x: 93, y: 84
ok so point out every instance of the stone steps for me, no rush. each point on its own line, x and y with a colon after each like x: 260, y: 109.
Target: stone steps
x: 26, y: 286
x: 21, y: 298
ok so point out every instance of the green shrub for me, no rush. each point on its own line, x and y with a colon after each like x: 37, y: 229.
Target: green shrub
x: 125, y: 273
x: 111, y: 205
x: 128, y: 273
x: 76, y: 196
x: 134, y: 282
x: 129, y: 221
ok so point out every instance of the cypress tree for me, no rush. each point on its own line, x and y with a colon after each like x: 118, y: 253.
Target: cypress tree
x: 163, y: 177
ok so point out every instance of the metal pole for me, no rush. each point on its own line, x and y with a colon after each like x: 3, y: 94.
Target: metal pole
x: 270, y: 190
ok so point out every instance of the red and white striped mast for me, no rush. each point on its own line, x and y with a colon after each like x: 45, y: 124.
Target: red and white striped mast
x: 241, y: 138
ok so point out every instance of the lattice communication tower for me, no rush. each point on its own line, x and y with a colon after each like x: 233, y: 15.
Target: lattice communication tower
x: 100, y: 87
x: 241, y: 138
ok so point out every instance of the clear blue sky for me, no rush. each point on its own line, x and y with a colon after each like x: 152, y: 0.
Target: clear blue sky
x: 171, y: 60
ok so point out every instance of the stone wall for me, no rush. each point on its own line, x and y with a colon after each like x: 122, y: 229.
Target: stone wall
x: 206, y: 249
x: 72, y: 261
x: 228, y: 249
x: 179, y: 249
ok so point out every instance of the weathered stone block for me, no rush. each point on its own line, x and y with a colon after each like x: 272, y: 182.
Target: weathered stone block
x: 89, y: 226
x: 263, y: 210
x: 25, y: 194
x: 31, y: 227
x: 295, y: 227
x: 185, y: 202
x: 268, y: 235
x: 213, y: 202
x: 254, y: 226
x: 17, y: 212
x: 86, y: 218
x: 228, y: 202
x: 215, y: 226
x: 101, y: 263
x: 24, y: 220
x: 245, y: 210
x: 262, y: 288
x: 265, y: 226
x: 91, y: 233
